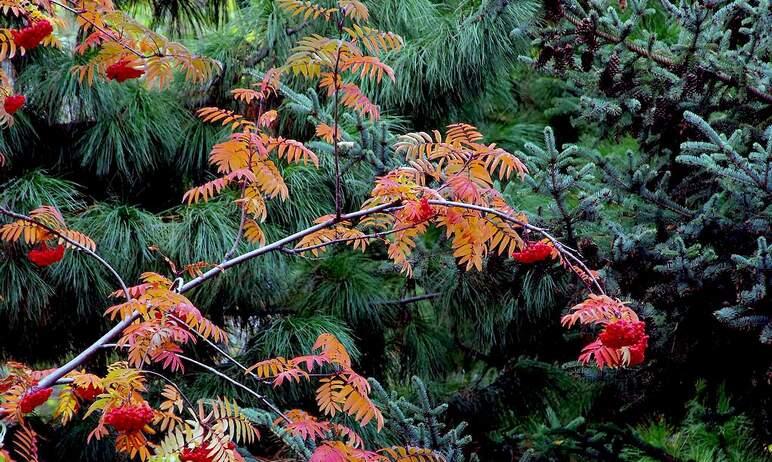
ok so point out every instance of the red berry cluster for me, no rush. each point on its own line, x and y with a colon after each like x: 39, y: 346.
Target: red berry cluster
x: 89, y: 392
x: 624, y: 333
x: 122, y: 71
x: 638, y: 351
x: 29, y: 37
x: 43, y: 255
x: 199, y: 454
x: 534, y: 252
x: 13, y: 103
x: 34, y: 398
x: 129, y: 418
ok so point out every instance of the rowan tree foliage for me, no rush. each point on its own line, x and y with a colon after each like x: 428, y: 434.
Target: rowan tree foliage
x: 231, y: 232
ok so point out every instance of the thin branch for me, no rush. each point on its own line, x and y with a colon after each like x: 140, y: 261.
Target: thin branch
x: 559, y: 246
x: 219, y: 350
x: 238, y: 384
x: 81, y: 247
x: 336, y: 116
x: 104, y: 31
x: 116, y: 330
x: 217, y: 270
x: 171, y: 382
x: 348, y: 239
x: 408, y: 300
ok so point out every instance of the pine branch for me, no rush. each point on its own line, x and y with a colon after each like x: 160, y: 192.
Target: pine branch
x: 669, y: 63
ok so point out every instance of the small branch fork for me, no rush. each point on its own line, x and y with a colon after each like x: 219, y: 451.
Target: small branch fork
x: 664, y: 61
x: 279, y: 245
x: 103, y: 30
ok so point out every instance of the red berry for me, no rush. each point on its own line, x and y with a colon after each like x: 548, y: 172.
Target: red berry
x: 122, y: 70
x: 34, y: 398
x: 199, y: 454
x: 534, y: 252
x: 29, y: 37
x: 129, y: 418
x: 623, y: 333
x: 89, y: 392
x: 13, y: 103
x: 42, y: 255
x: 638, y: 351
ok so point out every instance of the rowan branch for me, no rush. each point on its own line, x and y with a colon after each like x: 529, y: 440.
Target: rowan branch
x: 559, y: 246
x: 78, y: 245
x: 116, y: 330
x: 238, y: 384
x: 348, y: 239
x: 101, y: 29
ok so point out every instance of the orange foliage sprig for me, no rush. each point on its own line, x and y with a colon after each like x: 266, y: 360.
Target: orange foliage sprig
x: 166, y: 323
x: 249, y: 158
x: 623, y: 340
x: 46, y: 229
x: 340, y: 390
x: 341, y: 64
x: 456, y: 167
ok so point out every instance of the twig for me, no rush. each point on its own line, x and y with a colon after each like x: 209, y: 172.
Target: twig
x: 238, y: 384
x: 219, y: 350
x: 348, y: 239
x: 171, y: 382
x: 105, y: 31
x: 216, y: 271
x: 335, y: 116
x: 116, y: 330
x: 408, y: 300
x: 559, y: 246
x: 91, y: 253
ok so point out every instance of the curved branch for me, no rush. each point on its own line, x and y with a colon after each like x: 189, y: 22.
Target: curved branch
x: 238, y: 384
x: 116, y: 330
x: 559, y: 246
x: 217, y: 270
x: 89, y: 252
x: 176, y: 387
x: 103, y: 30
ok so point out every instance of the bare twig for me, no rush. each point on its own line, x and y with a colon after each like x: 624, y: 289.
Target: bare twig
x: 238, y: 384
x: 408, y: 300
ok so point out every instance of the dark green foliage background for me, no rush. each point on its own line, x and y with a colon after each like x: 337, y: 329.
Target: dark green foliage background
x: 675, y: 229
